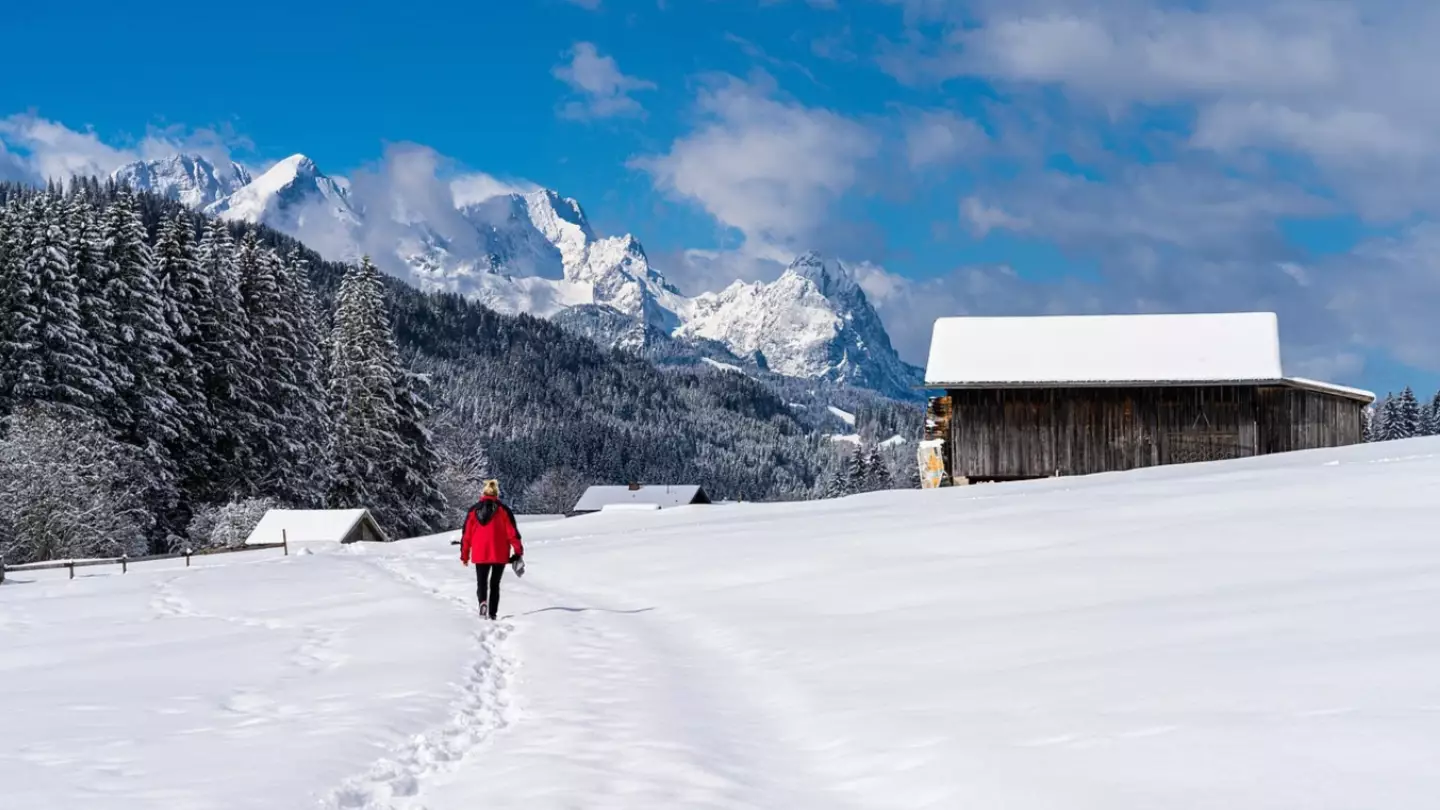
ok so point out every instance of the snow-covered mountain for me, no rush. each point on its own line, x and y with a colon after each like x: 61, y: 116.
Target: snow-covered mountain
x: 286, y: 195
x: 189, y: 179
x: 813, y: 322
x: 536, y: 252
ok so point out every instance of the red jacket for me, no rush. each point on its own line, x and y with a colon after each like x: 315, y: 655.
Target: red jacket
x: 489, y: 534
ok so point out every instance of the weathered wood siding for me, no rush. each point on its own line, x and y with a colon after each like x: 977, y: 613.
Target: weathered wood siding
x: 1298, y: 419
x: 1026, y: 433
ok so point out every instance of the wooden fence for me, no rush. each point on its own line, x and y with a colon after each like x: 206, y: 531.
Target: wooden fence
x: 125, y: 561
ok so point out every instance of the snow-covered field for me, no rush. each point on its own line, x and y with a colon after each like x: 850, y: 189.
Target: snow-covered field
x: 1254, y: 634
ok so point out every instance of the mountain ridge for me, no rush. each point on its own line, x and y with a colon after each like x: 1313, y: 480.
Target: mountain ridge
x: 536, y: 252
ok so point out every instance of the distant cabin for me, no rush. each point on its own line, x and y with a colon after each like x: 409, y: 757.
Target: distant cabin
x: 636, y: 496
x: 317, y: 526
x: 1044, y: 396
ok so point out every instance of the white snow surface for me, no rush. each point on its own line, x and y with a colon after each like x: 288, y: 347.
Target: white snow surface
x: 1243, y: 346
x: 722, y: 366
x: 1250, y: 634
x: 844, y: 416
x: 286, y: 195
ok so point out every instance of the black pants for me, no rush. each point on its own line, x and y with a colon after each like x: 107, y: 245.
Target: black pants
x: 489, y: 573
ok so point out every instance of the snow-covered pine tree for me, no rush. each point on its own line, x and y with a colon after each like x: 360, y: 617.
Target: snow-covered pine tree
x: 363, y: 370
x: 57, y: 364
x: 275, y: 342
x: 416, y: 470
x: 1408, y: 412
x: 306, y: 411
x: 146, y: 343
x: 1432, y: 420
x: 860, y: 476
x: 839, y: 484
x: 227, y: 364
x: 1367, y: 425
x: 1388, y: 419
x: 177, y: 271
x: 148, y: 351
x: 92, y: 277
x: 1377, y: 417
x: 878, y: 477
x: 9, y: 295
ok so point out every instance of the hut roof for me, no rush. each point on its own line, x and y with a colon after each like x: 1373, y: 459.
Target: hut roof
x: 310, y: 525
x: 1112, y: 350
x: 661, y: 495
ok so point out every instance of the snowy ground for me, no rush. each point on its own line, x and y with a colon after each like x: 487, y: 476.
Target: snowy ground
x: 1256, y: 634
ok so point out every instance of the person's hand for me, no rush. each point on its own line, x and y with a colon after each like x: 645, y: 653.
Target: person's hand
x: 466, y: 563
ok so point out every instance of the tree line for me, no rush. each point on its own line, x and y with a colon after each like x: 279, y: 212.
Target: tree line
x: 153, y: 374
x: 1402, y: 416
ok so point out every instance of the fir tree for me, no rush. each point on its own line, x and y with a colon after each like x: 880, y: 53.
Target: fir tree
x: 363, y: 371
x: 231, y: 374
x: 276, y: 442
x: 839, y: 483
x: 1368, y: 424
x: 416, y: 469
x: 54, y: 362
x: 1391, y: 426
x: 181, y: 287
x: 92, y: 278
x: 1432, y: 414
x: 860, y: 474
x: 10, y: 286
x: 148, y: 352
x: 305, y: 408
x: 146, y: 343
x: 1407, y: 411
x: 878, y: 477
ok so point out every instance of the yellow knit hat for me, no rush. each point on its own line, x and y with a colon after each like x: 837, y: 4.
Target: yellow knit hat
x: 492, y: 489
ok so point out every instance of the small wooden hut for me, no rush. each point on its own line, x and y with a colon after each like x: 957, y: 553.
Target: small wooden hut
x: 1070, y: 395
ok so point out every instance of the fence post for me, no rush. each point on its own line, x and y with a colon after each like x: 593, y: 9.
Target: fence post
x: 72, y: 569
x: 285, y: 540
x: 125, y: 563
x: 2, y: 568
x: 187, y: 556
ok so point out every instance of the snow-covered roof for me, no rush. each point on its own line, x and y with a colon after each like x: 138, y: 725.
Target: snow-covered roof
x: 308, y: 525
x: 1331, y: 388
x: 1108, y: 349
x: 661, y: 495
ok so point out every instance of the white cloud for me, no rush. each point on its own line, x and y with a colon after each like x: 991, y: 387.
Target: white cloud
x: 54, y: 151
x: 605, y: 91
x: 477, y: 187
x: 986, y: 218
x: 1341, y: 135
x: 41, y: 149
x: 939, y: 136
x: 766, y: 167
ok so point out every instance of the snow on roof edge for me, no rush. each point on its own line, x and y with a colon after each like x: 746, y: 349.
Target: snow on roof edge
x: 1190, y: 347
x: 1291, y: 382
x: 1331, y: 388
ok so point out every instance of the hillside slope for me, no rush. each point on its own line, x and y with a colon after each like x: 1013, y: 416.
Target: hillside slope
x: 1251, y: 634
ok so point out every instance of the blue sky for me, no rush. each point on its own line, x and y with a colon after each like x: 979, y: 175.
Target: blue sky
x: 964, y: 157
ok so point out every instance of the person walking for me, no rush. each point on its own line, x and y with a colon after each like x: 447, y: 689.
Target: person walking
x: 489, y: 536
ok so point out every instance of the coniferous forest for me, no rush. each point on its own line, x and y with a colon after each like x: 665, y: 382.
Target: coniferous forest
x: 164, y: 375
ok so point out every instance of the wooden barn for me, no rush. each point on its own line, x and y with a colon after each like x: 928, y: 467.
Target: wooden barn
x: 1071, y: 395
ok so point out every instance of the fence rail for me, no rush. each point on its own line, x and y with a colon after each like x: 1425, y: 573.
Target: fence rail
x: 125, y: 561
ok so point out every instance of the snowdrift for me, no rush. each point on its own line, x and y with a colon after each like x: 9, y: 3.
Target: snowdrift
x: 1253, y: 634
